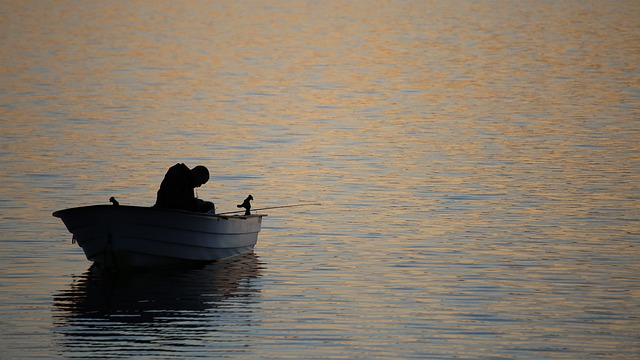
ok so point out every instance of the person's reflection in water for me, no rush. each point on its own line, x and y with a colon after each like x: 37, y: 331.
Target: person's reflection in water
x: 176, y: 189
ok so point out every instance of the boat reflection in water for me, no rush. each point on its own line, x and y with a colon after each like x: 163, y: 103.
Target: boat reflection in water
x: 155, y: 314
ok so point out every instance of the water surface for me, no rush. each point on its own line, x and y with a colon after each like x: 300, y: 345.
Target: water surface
x: 477, y: 165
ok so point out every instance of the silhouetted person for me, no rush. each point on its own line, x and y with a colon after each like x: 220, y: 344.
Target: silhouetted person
x: 176, y: 190
x: 246, y: 205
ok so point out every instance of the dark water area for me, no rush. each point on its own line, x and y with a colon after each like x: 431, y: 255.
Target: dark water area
x: 158, y: 313
x: 477, y: 163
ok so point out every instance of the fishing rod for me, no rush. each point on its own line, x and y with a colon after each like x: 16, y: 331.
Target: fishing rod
x: 269, y: 208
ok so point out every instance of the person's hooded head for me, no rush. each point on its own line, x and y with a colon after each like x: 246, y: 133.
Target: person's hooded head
x: 200, y: 175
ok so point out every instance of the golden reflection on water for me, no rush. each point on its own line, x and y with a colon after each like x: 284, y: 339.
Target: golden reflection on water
x: 477, y: 162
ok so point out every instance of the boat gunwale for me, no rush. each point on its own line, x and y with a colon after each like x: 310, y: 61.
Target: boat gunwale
x: 59, y: 213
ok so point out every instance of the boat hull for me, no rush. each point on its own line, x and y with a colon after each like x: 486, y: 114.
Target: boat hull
x: 132, y: 236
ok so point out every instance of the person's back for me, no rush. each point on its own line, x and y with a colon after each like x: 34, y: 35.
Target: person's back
x: 176, y: 189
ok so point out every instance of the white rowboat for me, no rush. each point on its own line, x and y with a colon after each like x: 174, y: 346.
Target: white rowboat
x: 120, y: 237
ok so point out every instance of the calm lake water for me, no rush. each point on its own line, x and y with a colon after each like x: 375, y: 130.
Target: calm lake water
x: 477, y: 163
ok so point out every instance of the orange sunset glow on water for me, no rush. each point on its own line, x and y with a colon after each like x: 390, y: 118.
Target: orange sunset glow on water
x: 476, y: 165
